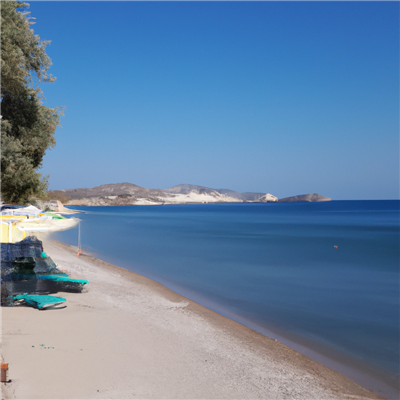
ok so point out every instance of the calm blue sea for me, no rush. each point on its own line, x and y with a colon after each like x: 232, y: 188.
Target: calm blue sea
x: 274, y: 268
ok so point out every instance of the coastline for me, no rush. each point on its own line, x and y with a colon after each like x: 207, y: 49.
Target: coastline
x: 127, y: 336
x: 364, y: 374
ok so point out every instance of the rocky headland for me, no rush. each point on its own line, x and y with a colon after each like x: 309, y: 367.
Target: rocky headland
x: 123, y: 194
x: 305, y: 198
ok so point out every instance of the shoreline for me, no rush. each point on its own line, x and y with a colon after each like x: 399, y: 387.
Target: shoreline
x: 226, y: 359
x: 366, y: 375
x: 363, y: 373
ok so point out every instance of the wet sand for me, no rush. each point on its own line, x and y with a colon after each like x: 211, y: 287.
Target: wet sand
x: 128, y: 337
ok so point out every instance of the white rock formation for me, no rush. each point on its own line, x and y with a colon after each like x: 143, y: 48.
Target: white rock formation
x: 267, y: 198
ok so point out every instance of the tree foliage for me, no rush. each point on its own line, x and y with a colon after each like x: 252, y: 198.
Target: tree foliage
x: 27, y: 126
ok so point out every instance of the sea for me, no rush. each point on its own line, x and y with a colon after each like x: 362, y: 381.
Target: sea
x: 322, y: 278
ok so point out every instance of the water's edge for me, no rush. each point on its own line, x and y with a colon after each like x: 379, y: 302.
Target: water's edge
x: 360, y: 372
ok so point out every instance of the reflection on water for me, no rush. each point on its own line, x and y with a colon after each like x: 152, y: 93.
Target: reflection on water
x: 271, y: 266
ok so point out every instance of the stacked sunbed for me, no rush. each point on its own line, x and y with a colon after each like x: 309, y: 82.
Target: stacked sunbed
x: 28, y: 274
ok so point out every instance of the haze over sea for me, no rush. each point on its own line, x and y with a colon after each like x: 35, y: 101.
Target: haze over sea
x: 274, y: 267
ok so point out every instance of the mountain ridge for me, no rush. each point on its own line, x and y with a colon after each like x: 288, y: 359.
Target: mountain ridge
x: 126, y: 193
x: 130, y: 194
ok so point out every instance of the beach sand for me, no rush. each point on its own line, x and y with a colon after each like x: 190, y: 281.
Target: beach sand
x: 127, y: 337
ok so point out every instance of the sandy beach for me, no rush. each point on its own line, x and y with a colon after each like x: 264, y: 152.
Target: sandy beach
x: 128, y: 337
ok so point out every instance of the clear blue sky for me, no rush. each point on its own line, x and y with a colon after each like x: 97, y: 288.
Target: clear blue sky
x: 279, y: 97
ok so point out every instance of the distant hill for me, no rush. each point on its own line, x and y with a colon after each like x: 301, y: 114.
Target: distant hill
x: 247, y: 196
x: 126, y: 193
x: 130, y: 194
x: 312, y: 197
x: 112, y: 189
x: 185, y: 189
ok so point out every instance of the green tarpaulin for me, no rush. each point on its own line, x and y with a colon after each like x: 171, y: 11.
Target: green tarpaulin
x: 40, y: 301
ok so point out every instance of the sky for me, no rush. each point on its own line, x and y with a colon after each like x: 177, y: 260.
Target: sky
x: 280, y: 97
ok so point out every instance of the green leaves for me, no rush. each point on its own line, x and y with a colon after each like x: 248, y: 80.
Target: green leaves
x: 28, y: 127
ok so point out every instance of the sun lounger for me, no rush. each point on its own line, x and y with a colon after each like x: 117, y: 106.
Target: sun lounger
x: 62, y: 278
x: 39, y: 301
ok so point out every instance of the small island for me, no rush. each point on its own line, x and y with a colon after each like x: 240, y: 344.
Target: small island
x: 305, y: 198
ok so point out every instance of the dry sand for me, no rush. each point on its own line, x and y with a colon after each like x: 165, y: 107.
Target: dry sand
x: 128, y: 337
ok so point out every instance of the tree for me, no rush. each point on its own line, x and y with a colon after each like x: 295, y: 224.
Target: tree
x: 27, y: 126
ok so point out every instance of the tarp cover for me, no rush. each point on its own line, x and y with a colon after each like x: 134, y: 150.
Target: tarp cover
x: 10, y: 207
x: 29, y: 247
x: 62, y: 278
x: 47, y: 224
x: 40, y: 301
x: 31, y: 211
